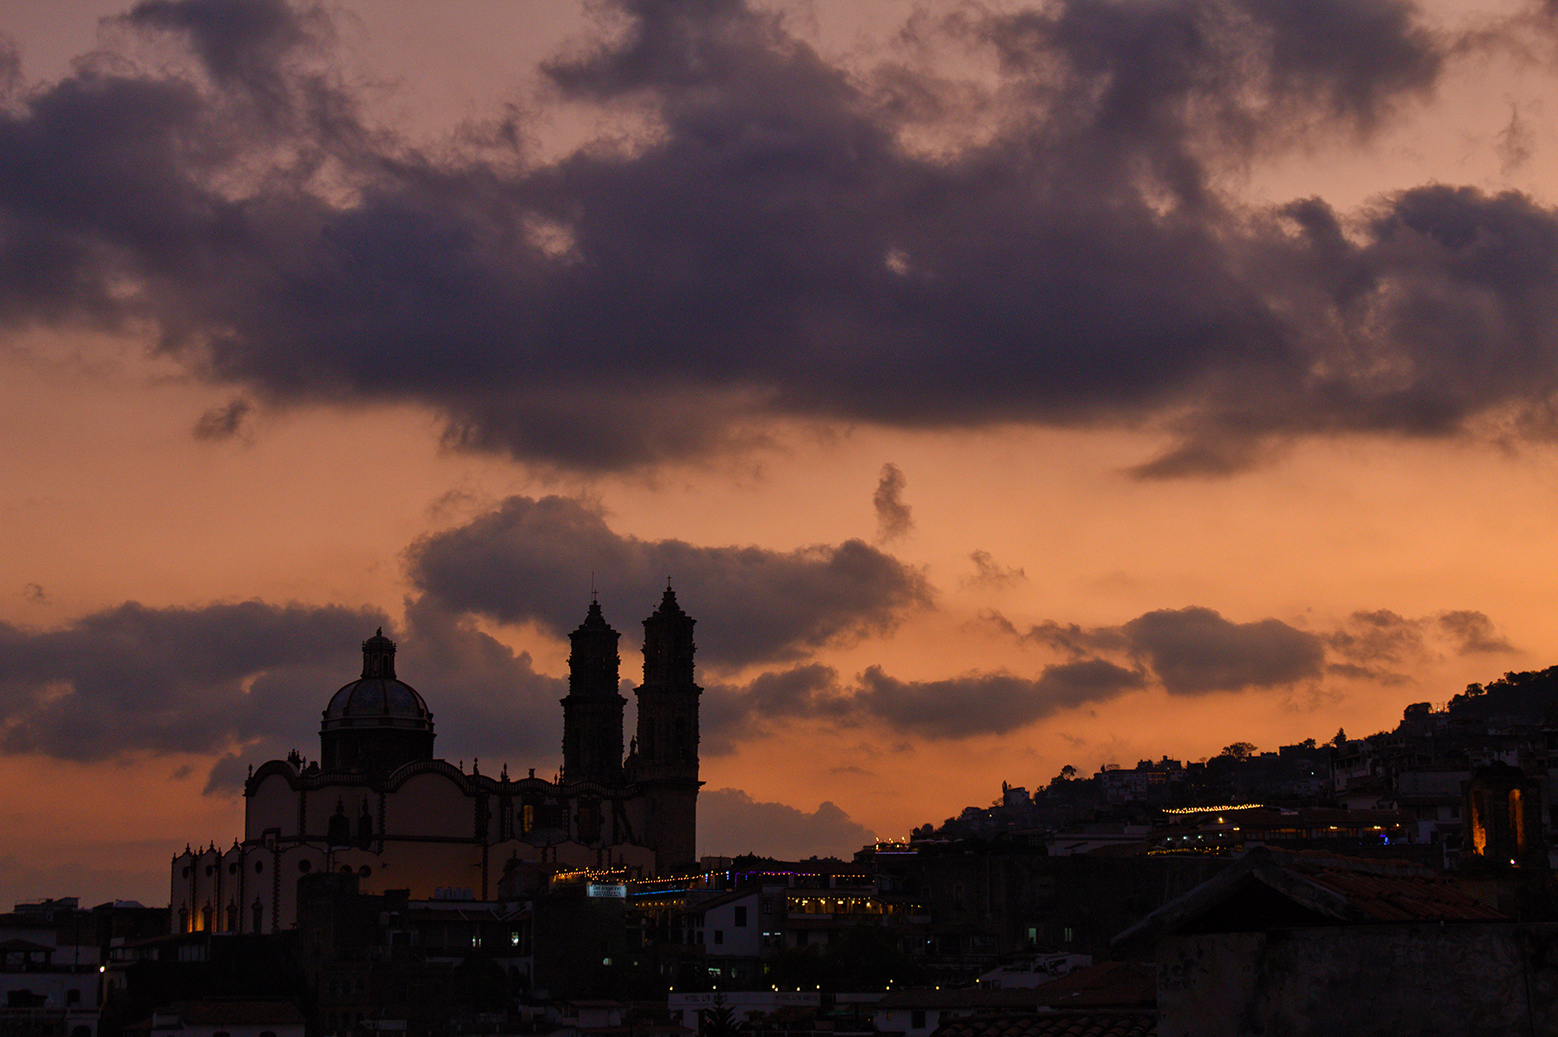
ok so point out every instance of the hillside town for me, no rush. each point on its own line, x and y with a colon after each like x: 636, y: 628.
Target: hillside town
x: 778, y: 518
x: 1250, y: 892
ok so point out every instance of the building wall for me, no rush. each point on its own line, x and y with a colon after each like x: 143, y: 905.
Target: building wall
x: 434, y: 827
x: 1426, y: 980
x: 736, y: 941
x: 426, y: 825
x: 55, y: 986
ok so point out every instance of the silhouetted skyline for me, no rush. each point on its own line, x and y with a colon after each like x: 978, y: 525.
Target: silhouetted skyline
x: 1003, y: 387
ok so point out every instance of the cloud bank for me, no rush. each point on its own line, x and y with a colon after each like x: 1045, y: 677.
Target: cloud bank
x: 731, y: 823
x: 787, y: 239
x: 531, y: 560
x: 247, y: 682
x: 1195, y: 650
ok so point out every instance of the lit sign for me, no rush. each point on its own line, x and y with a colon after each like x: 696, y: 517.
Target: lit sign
x: 601, y: 889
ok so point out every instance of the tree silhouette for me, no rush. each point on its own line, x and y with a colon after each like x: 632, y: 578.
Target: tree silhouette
x: 719, y: 1021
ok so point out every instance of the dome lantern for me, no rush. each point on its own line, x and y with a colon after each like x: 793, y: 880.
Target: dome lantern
x: 377, y: 722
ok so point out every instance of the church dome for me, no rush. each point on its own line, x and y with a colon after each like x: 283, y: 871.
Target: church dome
x: 373, y: 698
x: 377, y: 698
x: 376, y: 722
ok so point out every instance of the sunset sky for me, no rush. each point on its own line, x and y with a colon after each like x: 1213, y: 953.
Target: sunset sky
x: 1001, y: 385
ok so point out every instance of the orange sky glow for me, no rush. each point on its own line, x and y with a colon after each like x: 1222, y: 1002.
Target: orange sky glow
x: 1001, y: 386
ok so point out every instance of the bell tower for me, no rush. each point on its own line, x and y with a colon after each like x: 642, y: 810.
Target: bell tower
x: 592, y: 712
x: 666, y: 761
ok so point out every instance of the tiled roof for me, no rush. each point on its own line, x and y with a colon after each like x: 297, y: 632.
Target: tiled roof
x: 1326, y: 888
x: 1055, y: 1024
x: 1383, y: 891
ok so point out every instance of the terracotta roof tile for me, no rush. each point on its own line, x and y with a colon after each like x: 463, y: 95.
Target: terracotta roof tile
x: 1399, y: 894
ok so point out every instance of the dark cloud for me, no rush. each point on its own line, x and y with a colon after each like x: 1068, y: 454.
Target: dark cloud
x: 893, y: 517
x: 730, y: 713
x: 1195, y: 650
x: 772, y: 245
x: 1371, y: 638
x: 1191, y: 651
x: 242, y: 43
x: 990, y: 573
x: 1070, y: 638
x: 988, y: 703
x: 1380, y: 643
x: 487, y: 703
x: 731, y: 822
x: 1516, y: 142
x: 10, y: 66
x: 1473, y: 633
x: 967, y: 706
x: 223, y: 422
x: 1353, y: 671
x: 249, y: 680
x: 532, y: 560
x: 137, y: 679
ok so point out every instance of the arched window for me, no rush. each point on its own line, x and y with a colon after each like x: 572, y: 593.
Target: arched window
x: 258, y: 911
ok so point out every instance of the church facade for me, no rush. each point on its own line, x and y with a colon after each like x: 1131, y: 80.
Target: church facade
x: 379, y: 805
